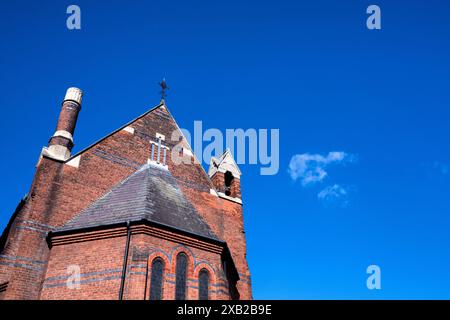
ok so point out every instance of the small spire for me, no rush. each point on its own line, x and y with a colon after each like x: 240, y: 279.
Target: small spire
x: 164, y: 88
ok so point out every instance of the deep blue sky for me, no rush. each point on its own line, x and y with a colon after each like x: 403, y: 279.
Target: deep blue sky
x: 311, y: 69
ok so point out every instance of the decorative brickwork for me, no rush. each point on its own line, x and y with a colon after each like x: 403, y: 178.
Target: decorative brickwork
x: 37, y: 252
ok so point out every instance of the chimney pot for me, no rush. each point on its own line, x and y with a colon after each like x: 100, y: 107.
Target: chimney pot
x: 74, y: 94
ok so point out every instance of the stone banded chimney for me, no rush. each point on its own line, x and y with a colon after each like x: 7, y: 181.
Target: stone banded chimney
x: 61, y: 143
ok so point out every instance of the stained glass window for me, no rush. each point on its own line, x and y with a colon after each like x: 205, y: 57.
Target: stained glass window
x: 157, y: 276
x: 181, y: 268
x: 203, y: 284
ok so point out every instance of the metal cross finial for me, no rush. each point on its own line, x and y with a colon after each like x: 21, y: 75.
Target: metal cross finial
x: 164, y: 87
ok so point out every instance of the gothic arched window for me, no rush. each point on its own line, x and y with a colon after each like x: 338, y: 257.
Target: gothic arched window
x: 156, y: 282
x: 181, y: 274
x: 203, y: 284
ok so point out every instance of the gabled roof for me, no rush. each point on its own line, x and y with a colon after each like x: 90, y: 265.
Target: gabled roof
x: 163, y: 105
x: 151, y: 194
x: 224, y: 163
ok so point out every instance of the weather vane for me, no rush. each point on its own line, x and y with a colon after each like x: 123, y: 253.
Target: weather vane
x: 164, y: 87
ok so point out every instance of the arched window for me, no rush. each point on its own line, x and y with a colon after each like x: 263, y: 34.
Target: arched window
x: 181, y: 273
x: 156, y: 282
x: 203, y: 284
x: 228, y: 182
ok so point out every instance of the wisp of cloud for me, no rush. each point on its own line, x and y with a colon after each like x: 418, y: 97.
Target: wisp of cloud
x: 310, y: 168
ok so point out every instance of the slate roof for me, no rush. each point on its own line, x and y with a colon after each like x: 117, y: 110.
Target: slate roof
x: 151, y: 194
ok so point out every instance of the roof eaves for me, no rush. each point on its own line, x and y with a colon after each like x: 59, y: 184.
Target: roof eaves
x: 75, y: 230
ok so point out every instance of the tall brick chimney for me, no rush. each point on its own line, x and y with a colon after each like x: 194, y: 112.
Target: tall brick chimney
x: 61, y: 143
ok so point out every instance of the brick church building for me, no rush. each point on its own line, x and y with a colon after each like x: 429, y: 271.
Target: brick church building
x: 121, y: 220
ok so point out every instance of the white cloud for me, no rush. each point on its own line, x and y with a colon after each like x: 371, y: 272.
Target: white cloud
x: 310, y: 168
x: 334, y: 195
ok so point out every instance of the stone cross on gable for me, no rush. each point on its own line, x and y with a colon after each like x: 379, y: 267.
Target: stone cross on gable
x: 159, y: 151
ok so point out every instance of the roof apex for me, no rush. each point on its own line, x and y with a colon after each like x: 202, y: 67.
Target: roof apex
x: 224, y: 163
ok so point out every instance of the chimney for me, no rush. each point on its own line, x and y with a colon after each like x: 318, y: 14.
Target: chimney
x: 61, y: 143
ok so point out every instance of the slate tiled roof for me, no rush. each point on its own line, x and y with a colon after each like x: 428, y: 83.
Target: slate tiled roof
x: 152, y: 194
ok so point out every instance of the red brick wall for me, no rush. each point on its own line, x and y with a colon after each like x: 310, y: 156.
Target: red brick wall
x: 218, y: 179
x: 23, y: 260
x: 101, y: 262
x: 145, y: 248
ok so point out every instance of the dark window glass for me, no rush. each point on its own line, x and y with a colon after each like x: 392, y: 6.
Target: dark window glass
x: 228, y: 182
x: 203, y: 284
x: 180, y: 287
x: 156, y: 283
